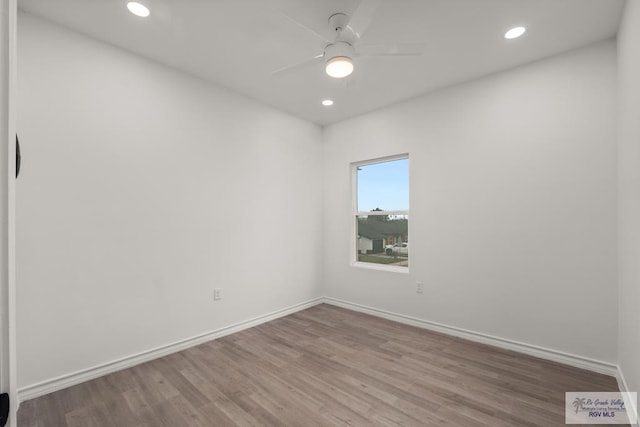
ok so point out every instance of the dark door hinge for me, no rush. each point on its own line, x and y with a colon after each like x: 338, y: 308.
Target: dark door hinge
x: 18, y: 156
x: 4, y: 409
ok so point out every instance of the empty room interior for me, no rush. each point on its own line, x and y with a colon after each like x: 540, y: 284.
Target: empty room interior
x: 320, y: 213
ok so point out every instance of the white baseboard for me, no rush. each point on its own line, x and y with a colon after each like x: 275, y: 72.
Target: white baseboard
x: 64, y: 381
x: 532, y: 350
x: 622, y: 385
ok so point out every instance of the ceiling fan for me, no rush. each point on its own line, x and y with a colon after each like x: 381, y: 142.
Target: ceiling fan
x: 338, y: 54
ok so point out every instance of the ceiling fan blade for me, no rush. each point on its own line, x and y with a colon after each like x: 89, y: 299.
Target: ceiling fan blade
x: 391, y: 49
x: 363, y: 16
x: 300, y: 65
x: 304, y: 27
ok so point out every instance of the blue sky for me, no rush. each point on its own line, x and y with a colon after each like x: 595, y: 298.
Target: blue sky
x: 384, y: 185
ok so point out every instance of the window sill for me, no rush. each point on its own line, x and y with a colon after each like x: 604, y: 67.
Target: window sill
x: 380, y: 267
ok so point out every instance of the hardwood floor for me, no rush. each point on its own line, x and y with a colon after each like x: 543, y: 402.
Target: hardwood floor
x: 321, y: 367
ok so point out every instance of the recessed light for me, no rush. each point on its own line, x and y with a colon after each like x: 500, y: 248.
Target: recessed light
x: 327, y: 102
x: 514, y: 33
x: 138, y: 9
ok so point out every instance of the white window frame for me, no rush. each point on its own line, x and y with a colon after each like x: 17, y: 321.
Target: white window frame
x: 353, y: 245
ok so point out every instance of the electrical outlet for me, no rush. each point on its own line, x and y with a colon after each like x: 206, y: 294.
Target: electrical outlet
x: 419, y: 287
x: 217, y: 294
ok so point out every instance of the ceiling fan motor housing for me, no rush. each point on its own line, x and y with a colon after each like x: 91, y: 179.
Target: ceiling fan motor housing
x: 339, y: 24
x: 338, y: 21
x: 337, y: 49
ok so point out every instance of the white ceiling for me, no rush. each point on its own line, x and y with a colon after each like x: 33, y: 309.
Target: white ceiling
x: 239, y: 43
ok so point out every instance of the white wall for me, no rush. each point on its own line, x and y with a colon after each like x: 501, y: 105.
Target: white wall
x: 629, y: 194
x: 143, y: 189
x: 513, y: 204
x: 8, y: 17
x: 5, y: 18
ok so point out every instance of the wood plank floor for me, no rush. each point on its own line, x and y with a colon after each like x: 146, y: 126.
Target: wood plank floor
x: 324, y: 366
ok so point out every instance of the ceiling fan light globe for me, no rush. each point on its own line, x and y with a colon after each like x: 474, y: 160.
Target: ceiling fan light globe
x: 339, y: 67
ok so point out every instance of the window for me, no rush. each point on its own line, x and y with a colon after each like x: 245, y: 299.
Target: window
x: 381, y: 213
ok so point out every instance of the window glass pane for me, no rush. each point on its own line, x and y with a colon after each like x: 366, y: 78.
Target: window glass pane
x: 383, y: 239
x: 384, y: 186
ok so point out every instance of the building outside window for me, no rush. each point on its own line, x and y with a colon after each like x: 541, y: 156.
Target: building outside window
x: 381, y: 213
